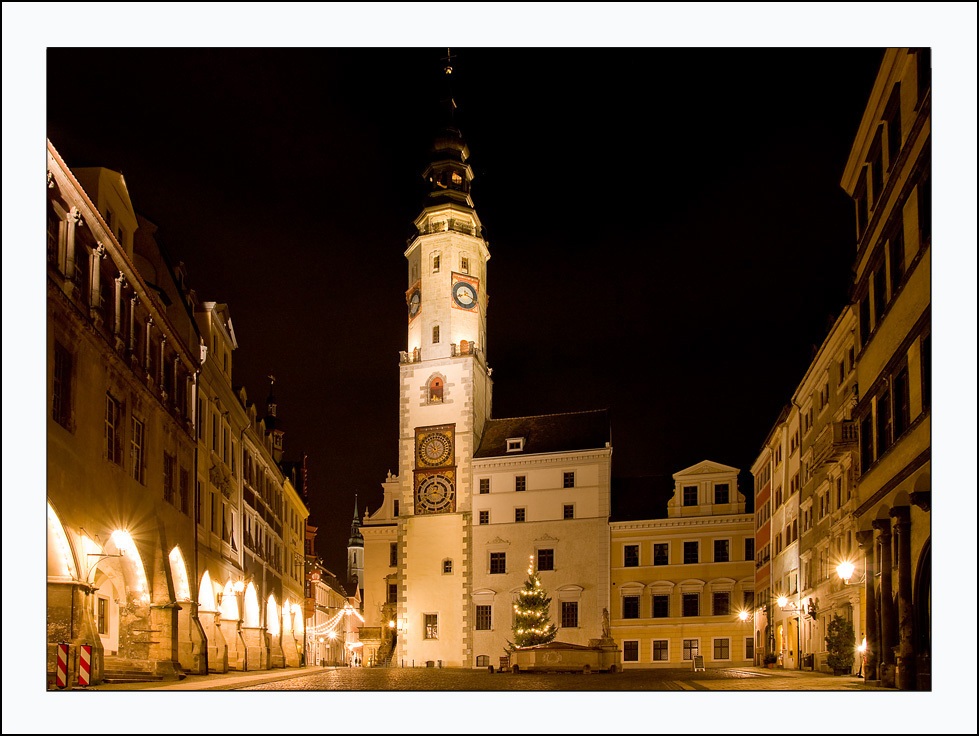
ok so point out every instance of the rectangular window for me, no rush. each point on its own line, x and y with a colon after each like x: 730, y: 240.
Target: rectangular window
x: 61, y: 389
x: 691, y: 647
x: 661, y: 554
x: 722, y: 550
x: 215, y: 513
x: 631, y: 555
x: 569, y: 480
x: 102, y: 615
x: 749, y: 648
x: 392, y: 592
x: 520, y: 515
x: 436, y: 263
x: 113, y: 430
x: 545, y: 559
x: 722, y: 649
x: 431, y: 626
x: 866, y: 443
x: 497, y: 563
x: 484, y: 517
x: 168, y: 485
x: 896, y: 245
x: 690, y: 495
x: 749, y: 549
x: 136, y: 451
x: 661, y: 650
x: 569, y: 614
x: 865, y: 319
x: 880, y: 294
x: 630, y: 651
x: 184, y: 491
x: 748, y: 600
x: 435, y: 334
x: 397, y: 507
x: 569, y: 511
x: 214, y: 432
x: 902, y: 402
x: 465, y: 265
x: 691, y: 604
x: 484, y: 485
x: 630, y: 606
x: 661, y: 606
x: 520, y: 483
x: 860, y: 198
x: 446, y: 567
x: 484, y: 618
x: 721, y: 604
x: 691, y: 553
x: 722, y: 493
x: 393, y: 555
x: 883, y: 423
x: 877, y: 165
x: 892, y: 116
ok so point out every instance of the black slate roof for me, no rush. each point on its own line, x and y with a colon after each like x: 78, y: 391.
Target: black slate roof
x: 582, y: 430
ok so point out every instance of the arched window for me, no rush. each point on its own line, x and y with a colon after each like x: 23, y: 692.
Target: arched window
x: 435, y: 389
x: 482, y: 660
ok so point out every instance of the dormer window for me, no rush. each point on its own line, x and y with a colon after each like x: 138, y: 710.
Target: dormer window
x: 514, y: 444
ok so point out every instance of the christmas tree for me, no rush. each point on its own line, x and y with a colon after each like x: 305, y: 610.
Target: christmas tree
x: 532, y: 620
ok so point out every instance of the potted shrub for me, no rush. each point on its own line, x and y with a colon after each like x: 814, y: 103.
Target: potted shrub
x: 839, y: 645
x: 770, y: 660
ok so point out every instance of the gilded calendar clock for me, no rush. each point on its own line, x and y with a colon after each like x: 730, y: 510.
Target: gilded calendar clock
x: 435, y: 469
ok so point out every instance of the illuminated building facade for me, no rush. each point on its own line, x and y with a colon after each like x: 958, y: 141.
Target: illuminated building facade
x: 684, y: 586
x: 888, y: 175
x: 827, y: 396
x: 145, y: 437
x: 122, y: 359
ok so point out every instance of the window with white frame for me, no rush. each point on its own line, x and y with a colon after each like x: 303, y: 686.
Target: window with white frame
x: 484, y: 618
x: 661, y: 650
x: 630, y: 651
x: 722, y: 648
x: 691, y: 648
x: 431, y: 625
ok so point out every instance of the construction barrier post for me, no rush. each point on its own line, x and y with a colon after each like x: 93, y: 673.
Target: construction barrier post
x: 85, y: 665
x: 61, y: 674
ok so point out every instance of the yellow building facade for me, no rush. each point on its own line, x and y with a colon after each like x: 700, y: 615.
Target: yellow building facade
x: 684, y: 586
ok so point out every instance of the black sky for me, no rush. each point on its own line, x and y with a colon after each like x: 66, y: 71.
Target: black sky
x: 668, y: 234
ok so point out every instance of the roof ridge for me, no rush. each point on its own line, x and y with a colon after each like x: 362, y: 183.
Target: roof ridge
x: 556, y: 414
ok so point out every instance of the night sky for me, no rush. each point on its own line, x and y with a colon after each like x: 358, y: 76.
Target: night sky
x: 668, y: 235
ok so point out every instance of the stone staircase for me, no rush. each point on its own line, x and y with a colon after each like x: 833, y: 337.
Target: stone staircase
x: 119, y: 669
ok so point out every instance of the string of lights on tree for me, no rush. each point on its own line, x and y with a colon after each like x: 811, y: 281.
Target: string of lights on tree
x: 532, y: 620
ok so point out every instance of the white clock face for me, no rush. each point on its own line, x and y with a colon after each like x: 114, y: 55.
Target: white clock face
x: 464, y: 294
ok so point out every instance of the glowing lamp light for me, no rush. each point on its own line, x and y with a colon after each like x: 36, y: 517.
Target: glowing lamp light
x: 863, y: 646
x: 743, y: 615
x: 782, y: 601
x: 239, y: 586
x: 845, y: 570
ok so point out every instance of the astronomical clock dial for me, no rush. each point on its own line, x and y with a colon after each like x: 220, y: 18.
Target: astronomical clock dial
x: 435, y: 494
x: 433, y: 447
x: 465, y: 292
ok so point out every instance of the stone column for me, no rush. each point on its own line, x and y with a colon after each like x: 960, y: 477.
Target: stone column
x: 95, y: 282
x: 146, y: 349
x: 907, y: 668
x: 257, y: 654
x: 163, y: 367
x: 70, y: 621
x: 133, y: 301
x: 217, y: 647
x: 886, y: 604
x: 866, y: 542
x: 191, y: 640
x: 234, y: 642
x: 74, y: 220
x: 120, y: 284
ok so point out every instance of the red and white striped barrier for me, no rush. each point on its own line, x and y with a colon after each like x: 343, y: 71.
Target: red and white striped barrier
x: 61, y: 675
x: 85, y: 666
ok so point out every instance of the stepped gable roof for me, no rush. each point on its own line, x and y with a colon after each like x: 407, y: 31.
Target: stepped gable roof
x: 582, y: 430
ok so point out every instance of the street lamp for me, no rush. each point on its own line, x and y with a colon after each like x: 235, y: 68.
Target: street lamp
x: 845, y: 571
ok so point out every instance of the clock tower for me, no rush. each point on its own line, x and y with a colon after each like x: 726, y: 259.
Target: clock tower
x: 446, y: 396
